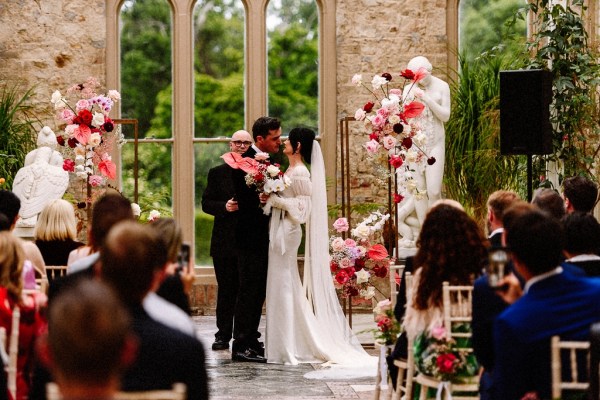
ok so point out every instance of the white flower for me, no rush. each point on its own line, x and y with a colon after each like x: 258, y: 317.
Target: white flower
x: 79, y: 159
x: 361, y: 231
x: 338, y: 244
x: 98, y: 119
x: 389, y: 142
x: 378, y: 81
x: 357, y: 79
x: 135, y: 208
x: 361, y: 251
x: 154, y: 215
x: 70, y: 129
x: 56, y: 96
x: 94, y: 139
x: 114, y: 95
x: 367, y: 294
x: 272, y: 170
x: 81, y: 174
x: 278, y: 185
x: 269, y: 186
x: 393, y: 119
x: 383, y: 306
x: 391, y: 104
x: 360, y: 114
x: 261, y: 156
x: 362, y: 276
x: 287, y: 181
x: 411, y: 155
x: 79, y: 150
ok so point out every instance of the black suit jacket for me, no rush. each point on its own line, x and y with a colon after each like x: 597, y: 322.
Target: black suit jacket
x: 219, y: 190
x: 165, y: 356
x: 253, y: 225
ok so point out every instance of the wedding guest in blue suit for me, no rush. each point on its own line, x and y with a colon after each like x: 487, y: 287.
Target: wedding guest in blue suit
x: 553, y: 302
x: 580, y: 193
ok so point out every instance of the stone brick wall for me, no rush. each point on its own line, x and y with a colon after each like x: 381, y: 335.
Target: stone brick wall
x: 51, y: 44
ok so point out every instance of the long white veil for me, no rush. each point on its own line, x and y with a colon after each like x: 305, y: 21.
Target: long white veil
x: 318, y: 282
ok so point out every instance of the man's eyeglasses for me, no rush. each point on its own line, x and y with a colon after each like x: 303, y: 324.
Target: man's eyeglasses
x: 240, y: 143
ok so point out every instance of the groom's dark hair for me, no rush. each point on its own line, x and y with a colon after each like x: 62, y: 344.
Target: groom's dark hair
x: 263, y: 125
x: 305, y: 137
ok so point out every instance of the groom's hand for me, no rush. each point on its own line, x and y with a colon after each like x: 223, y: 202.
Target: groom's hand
x: 263, y: 197
x: 231, y: 205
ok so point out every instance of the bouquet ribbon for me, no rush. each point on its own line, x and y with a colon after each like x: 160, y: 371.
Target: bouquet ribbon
x: 443, y: 386
x: 277, y: 232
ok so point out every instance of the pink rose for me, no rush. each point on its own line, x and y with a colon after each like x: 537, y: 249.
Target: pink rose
x: 346, y: 263
x: 338, y: 244
x: 438, y: 332
x: 372, y: 146
x: 350, y: 242
x: 396, y: 92
x: 378, y: 120
x: 389, y: 142
x: 360, y: 114
x: 341, y: 225
x: 261, y: 156
x: 67, y: 115
x: 95, y: 180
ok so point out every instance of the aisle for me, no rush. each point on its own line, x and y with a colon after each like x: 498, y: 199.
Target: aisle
x: 236, y: 380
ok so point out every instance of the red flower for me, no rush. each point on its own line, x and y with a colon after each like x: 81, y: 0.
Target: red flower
x: 68, y: 165
x: 407, y: 74
x: 350, y: 272
x: 407, y: 143
x: 86, y: 116
x: 377, y: 252
x: 396, y: 161
x: 398, y: 198
x: 342, y: 277
x: 374, y: 136
x: 72, y: 142
x: 380, y: 271
x: 446, y: 363
x: 369, y: 106
x: 60, y: 140
x: 359, y: 264
x: 333, y: 266
x: 412, y: 110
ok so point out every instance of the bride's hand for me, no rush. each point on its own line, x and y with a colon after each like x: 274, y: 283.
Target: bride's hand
x: 263, y: 197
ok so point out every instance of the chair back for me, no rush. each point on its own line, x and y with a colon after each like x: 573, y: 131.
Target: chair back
x: 178, y: 392
x: 595, y: 361
x: 55, y: 271
x: 458, y: 308
x: 394, y: 286
x: 578, y: 353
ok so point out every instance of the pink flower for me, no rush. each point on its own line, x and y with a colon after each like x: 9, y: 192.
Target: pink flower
x: 67, y: 115
x: 372, y: 146
x: 341, y: 225
x: 107, y: 167
x: 82, y: 134
x: 389, y: 142
x: 396, y: 92
x: 396, y: 161
x: 82, y: 104
x: 342, y: 277
x: 420, y: 74
x: 95, y: 180
x: 69, y: 165
x: 378, y: 120
x: 346, y: 263
x: 360, y: 114
x: 438, y: 332
x: 350, y: 242
x: 261, y: 156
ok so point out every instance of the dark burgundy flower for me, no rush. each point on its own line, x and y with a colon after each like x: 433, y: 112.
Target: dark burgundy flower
x: 60, y: 140
x: 72, y: 142
x: 380, y: 271
x: 387, y: 76
x: 398, y: 128
x: 431, y: 160
x: 333, y: 266
x: 352, y: 291
x: 368, y: 107
x: 408, y: 74
x: 407, y: 143
x: 359, y: 264
x: 81, y: 205
x: 108, y: 125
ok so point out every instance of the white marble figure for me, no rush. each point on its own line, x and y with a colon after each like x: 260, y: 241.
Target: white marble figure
x: 41, y: 179
x: 436, y: 98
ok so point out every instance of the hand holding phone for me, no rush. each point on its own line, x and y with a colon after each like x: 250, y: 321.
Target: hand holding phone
x: 183, y: 259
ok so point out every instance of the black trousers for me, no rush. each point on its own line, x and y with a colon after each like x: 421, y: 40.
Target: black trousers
x: 226, y: 271
x: 252, y: 270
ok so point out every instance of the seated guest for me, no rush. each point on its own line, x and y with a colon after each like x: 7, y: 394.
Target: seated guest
x: 10, y: 206
x: 89, y: 342
x: 133, y: 259
x: 55, y: 232
x: 550, y: 201
x: 580, y: 193
x: 553, y: 302
x: 582, y: 240
x: 31, y: 324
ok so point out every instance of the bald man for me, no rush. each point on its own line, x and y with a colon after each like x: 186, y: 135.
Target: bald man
x: 218, y: 200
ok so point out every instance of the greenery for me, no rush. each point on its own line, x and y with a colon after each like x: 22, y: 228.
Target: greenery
x: 16, y: 129
x: 561, y: 45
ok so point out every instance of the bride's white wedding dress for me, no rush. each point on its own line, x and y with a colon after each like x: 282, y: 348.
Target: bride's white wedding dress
x: 305, y: 323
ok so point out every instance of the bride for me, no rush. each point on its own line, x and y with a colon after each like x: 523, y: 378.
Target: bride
x: 305, y: 323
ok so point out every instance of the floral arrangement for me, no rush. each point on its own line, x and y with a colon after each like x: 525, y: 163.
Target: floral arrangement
x: 442, y: 358
x: 89, y: 134
x: 388, y: 328
x: 267, y: 177
x: 396, y: 130
x: 354, y: 261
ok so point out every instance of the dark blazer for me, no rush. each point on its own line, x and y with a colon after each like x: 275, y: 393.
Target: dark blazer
x: 252, y: 231
x: 219, y: 190
x: 562, y: 304
x: 165, y: 356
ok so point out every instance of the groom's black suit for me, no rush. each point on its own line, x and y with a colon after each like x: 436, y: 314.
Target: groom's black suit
x: 252, y: 238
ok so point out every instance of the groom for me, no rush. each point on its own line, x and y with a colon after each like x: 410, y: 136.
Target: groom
x: 252, y: 237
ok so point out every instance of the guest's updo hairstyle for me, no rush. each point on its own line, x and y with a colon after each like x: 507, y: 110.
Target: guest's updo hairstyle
x: 305, y: 137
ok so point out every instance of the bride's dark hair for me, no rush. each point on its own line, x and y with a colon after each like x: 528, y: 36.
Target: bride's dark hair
x: 305, y: 137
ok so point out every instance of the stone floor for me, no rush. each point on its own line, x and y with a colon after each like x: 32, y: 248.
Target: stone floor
x: 238, y: 380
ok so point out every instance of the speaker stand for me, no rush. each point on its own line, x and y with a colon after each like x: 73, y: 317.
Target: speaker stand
x: 529, y: 177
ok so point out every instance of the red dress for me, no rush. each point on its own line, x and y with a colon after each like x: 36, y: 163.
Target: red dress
x: 32, y: 324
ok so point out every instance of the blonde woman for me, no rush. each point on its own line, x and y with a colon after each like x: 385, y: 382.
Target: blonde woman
x: 32, y: 324
x: 55, y: 232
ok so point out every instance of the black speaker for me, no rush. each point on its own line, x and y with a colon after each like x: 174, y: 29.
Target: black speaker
x: 525, y: 97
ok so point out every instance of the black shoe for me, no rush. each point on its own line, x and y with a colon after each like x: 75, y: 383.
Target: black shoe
x: 248, y: 355
x: 220, y: 344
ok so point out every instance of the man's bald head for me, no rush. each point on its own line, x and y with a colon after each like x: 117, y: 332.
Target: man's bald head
x: 240, y: 141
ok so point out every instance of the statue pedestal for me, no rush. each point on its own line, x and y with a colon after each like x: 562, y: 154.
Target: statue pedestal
x: 404, y: 252
x: 23, y: 232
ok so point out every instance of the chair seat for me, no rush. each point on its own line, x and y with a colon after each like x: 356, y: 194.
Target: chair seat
x: 470, y: 385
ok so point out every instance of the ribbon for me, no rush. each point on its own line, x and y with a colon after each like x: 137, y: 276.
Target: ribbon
x: 443, y: 386
x: 277, y: 231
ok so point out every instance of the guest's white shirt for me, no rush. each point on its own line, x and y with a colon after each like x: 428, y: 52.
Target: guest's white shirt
x: 83, y: 263
x: 168, y: 314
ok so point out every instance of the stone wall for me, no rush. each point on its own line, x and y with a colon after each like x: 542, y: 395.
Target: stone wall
x: 50, y: 45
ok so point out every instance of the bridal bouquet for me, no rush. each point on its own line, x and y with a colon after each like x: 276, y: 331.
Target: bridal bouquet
x: 267, y: 177
x: 355, y: 261
x: 396, y: 127
x: 445, y: 359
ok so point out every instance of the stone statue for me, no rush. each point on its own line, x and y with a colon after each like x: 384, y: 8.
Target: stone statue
x: 41, y: 179
x: 436, y: 97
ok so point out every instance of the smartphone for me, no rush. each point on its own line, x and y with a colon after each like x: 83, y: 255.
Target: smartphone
x: 497, y: 266
x: 184, y: 257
